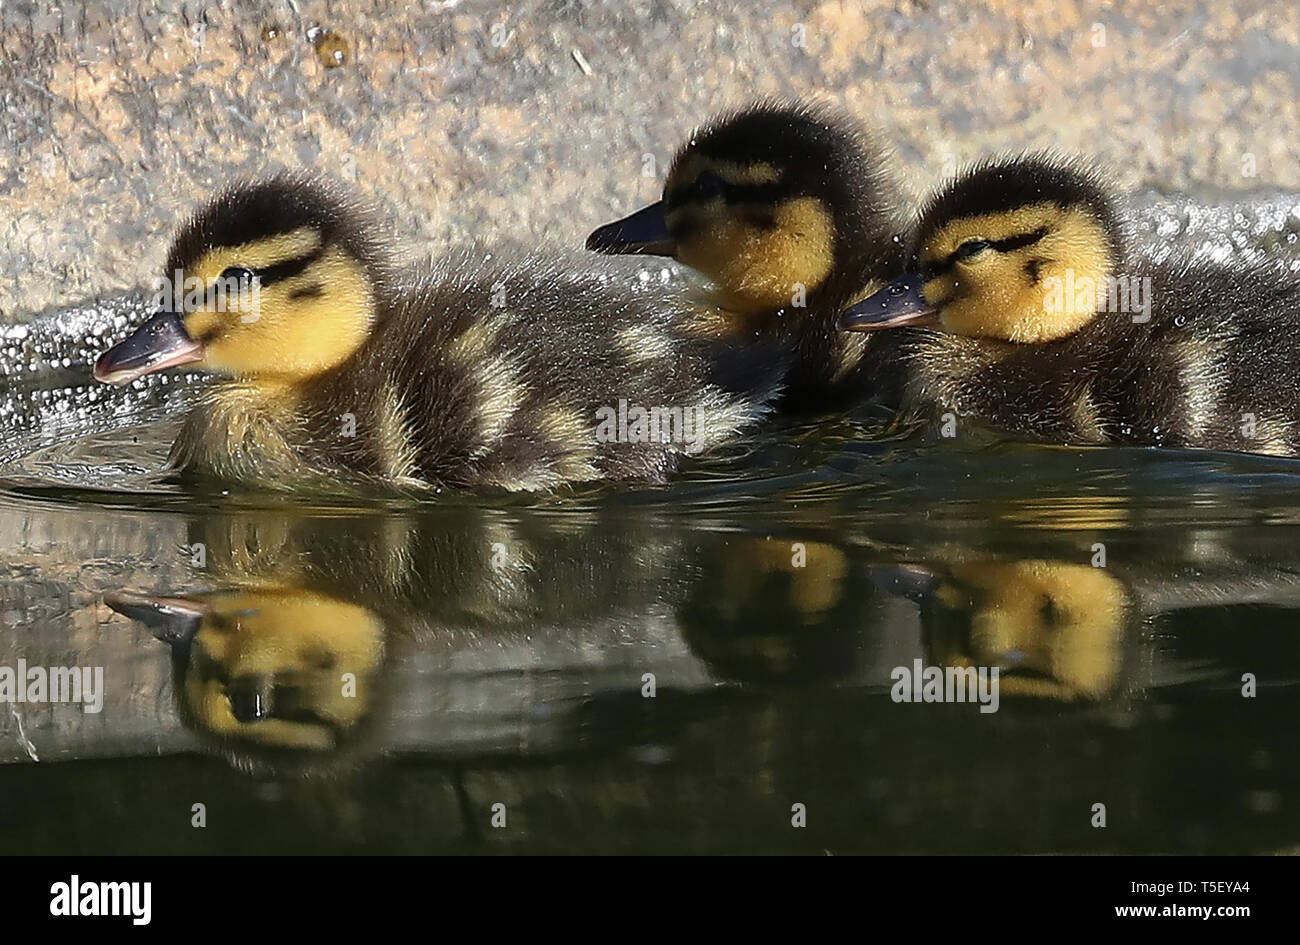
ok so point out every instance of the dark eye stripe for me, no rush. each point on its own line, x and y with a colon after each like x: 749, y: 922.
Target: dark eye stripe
x: 730, y: 193
x: 1005, y: 245
x: 288, y: 268
x: 1019, y: 241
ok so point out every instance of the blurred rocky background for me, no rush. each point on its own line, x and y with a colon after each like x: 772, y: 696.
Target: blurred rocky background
x: 534, y: 121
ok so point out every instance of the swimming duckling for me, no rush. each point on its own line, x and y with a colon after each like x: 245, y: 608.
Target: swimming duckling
x: 520, y: 374
x: 1052, y: 328
x: 792, y: 212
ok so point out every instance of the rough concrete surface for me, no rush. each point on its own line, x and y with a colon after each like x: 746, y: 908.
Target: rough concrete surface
x: 533, y: 121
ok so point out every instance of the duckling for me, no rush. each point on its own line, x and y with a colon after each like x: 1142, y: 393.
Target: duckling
x: 520, y: 375
x: 284, y: 667
x: 1052, y: 327
x: 792, y: 212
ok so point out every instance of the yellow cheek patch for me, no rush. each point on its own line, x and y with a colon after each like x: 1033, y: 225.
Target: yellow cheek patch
x: 757, y: 267
x: 939, y: 290
x: 992, y: 300
x: 199, y: 324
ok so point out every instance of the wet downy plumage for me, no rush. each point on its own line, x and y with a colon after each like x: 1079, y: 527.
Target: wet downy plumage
x: 518, y: 373
x: 792, y: 212
x: 1051, y: 327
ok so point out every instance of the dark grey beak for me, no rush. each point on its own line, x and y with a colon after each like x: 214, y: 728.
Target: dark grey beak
x: 896, y: 305
x: 173, y: 620
x: 161, y: 342
x: 644, y: 232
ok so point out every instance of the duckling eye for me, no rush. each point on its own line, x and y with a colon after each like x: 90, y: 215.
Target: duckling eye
x: 709, y: 185
x: 971, y: 248
x: 241, y: 274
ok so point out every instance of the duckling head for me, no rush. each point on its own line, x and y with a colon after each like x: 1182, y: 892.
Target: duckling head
x: 769, y: 201
x: 278, y: 666
x: 274, y: 280
x: 998, y: 251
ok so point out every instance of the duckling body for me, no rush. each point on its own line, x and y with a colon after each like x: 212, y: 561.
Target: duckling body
x: 1206, y: 372
x: 1050, y: 328
x: 792, y: 213
x: 517, y: 374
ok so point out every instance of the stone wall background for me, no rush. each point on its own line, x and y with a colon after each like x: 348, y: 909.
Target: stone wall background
x: 531, y: 121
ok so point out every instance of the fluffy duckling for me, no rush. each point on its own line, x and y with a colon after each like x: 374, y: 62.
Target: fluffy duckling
x: 791, y: 212
x: 518, y: 374
x: 1052, y: 328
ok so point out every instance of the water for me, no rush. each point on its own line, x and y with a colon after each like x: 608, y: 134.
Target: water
x: 378, y: 675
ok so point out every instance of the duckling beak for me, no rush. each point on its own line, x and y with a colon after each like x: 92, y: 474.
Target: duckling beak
x: 644, y: 232
x: 898, y: 304
x: 161, y: 342
x: 172, y: 620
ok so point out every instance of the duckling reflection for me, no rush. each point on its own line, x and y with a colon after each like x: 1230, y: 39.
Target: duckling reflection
x: 444, y: 657
x: 483, y: 626
x: 279, y: 668
x: 451, y: 647
x: 766, y: 610
x: 1054, y: 629
x: 457, y: 567
x: 1171, y: 606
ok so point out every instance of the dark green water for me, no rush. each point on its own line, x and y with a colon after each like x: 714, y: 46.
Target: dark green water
x: 500, y: 648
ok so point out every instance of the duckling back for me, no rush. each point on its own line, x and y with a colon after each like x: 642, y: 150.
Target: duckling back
x: 1221, y: 354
